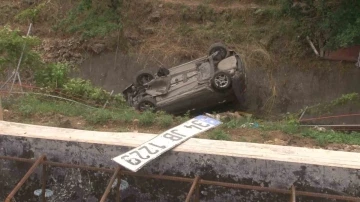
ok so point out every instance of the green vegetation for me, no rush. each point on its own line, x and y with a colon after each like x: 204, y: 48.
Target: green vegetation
x: 32, y: 105
x: 327, y: 137
x: 331, y: 23
x: 11, y: 46
x: 31, y: 14
x: 235, y: 123
x: 54, y: 75
x: 147, y: 118
x: 351, y: 98
x: 218, y: 134
x: 286, y: 127
x: 29, y: 105
x: 92, y: 18
x: 99, y: 116
x: 164, y: 120
x: 86, y: 92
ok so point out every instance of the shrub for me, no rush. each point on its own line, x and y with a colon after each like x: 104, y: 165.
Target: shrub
x: 54, y: 75
x: 164, y: 120
x: 83, y: 89
x: 30, y: 14
x: 147, y: 118
x: 11, y: 46
x: 333, y: 24
x: 218, y: 134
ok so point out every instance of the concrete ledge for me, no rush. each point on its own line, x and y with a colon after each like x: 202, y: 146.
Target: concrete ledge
x: 313, y: 170
x: 201, y: 146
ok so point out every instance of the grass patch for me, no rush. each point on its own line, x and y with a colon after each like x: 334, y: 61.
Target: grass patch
x: 218, y: 134
x: 147, y: 118
x: 282, y: 126
x: 234, y: 123
x: 328, y: 137
x: 99, y: 116
x: 322, y: 138
x: 28, y: 105
x: 164, y: 120
x: 92, y: 19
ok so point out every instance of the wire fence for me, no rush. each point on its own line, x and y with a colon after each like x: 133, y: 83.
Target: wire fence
x: 53, y: 93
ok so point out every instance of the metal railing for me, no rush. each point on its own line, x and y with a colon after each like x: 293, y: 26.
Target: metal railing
x: 193, y: 194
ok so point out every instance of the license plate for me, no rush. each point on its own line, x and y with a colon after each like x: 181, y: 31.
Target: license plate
x: 143, y: 154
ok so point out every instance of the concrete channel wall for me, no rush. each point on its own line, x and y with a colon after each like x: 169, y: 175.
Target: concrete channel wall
x: 314, y: 170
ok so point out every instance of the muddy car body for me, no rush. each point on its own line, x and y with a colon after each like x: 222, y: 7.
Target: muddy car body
x: 205, y: 82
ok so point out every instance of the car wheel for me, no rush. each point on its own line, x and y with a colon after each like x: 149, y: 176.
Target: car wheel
x: 221, y: 80
x: 222, y: 50
x: 146, y: 103
x: 143, y: 76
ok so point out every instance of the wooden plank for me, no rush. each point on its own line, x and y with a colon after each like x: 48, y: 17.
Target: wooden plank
x: 194, y: 145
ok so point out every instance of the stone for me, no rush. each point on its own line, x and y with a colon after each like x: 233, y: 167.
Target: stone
x: 155, y: 16
x: 148, y: 30
x: 135, y: 121
x: 98, y: 48
x: 77, y: 55
x: 65, y: 124
x: 66, y: 55
x: 276, y: 141
x: 52, y: 55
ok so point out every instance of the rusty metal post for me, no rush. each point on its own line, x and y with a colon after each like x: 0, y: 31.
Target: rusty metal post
x: 118, y: 188
x: 26, y: 176
x: 108, y: 188
x: 197, y: 193
x: 293, y: 194
x: 184, y: 179
x: 43, y: 187
x: 192, y: 189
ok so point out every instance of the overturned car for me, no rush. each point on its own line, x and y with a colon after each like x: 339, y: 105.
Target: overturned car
x: 205, y: 82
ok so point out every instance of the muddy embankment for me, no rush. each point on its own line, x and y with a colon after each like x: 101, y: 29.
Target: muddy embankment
x: 281, y: 90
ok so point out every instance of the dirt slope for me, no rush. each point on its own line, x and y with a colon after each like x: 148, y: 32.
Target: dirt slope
x: 283, y: 74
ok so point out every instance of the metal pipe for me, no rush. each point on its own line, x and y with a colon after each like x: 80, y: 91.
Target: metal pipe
x: 350, y: 125
x: 26, y: 176
x: 337, y: 127
x: 330, y: 117
x: 118, y: 188
x: 192, y: 188
x: 64, y: 165
x: 43, y: 188
x: 280, y: 191
x: 197, y: 193
x: 328, y: 196
x: 108, y: 188
x: 293, y: 195
x: 242, y: 186
x: 159, y: 177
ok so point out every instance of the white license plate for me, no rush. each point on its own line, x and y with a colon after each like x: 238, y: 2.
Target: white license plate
x: 143, y: 154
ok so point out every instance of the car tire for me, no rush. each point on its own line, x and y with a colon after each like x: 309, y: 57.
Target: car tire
x: 221, y: 80
x: 223, y: 51
x: 142, y: 77
x: 146, y: 103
